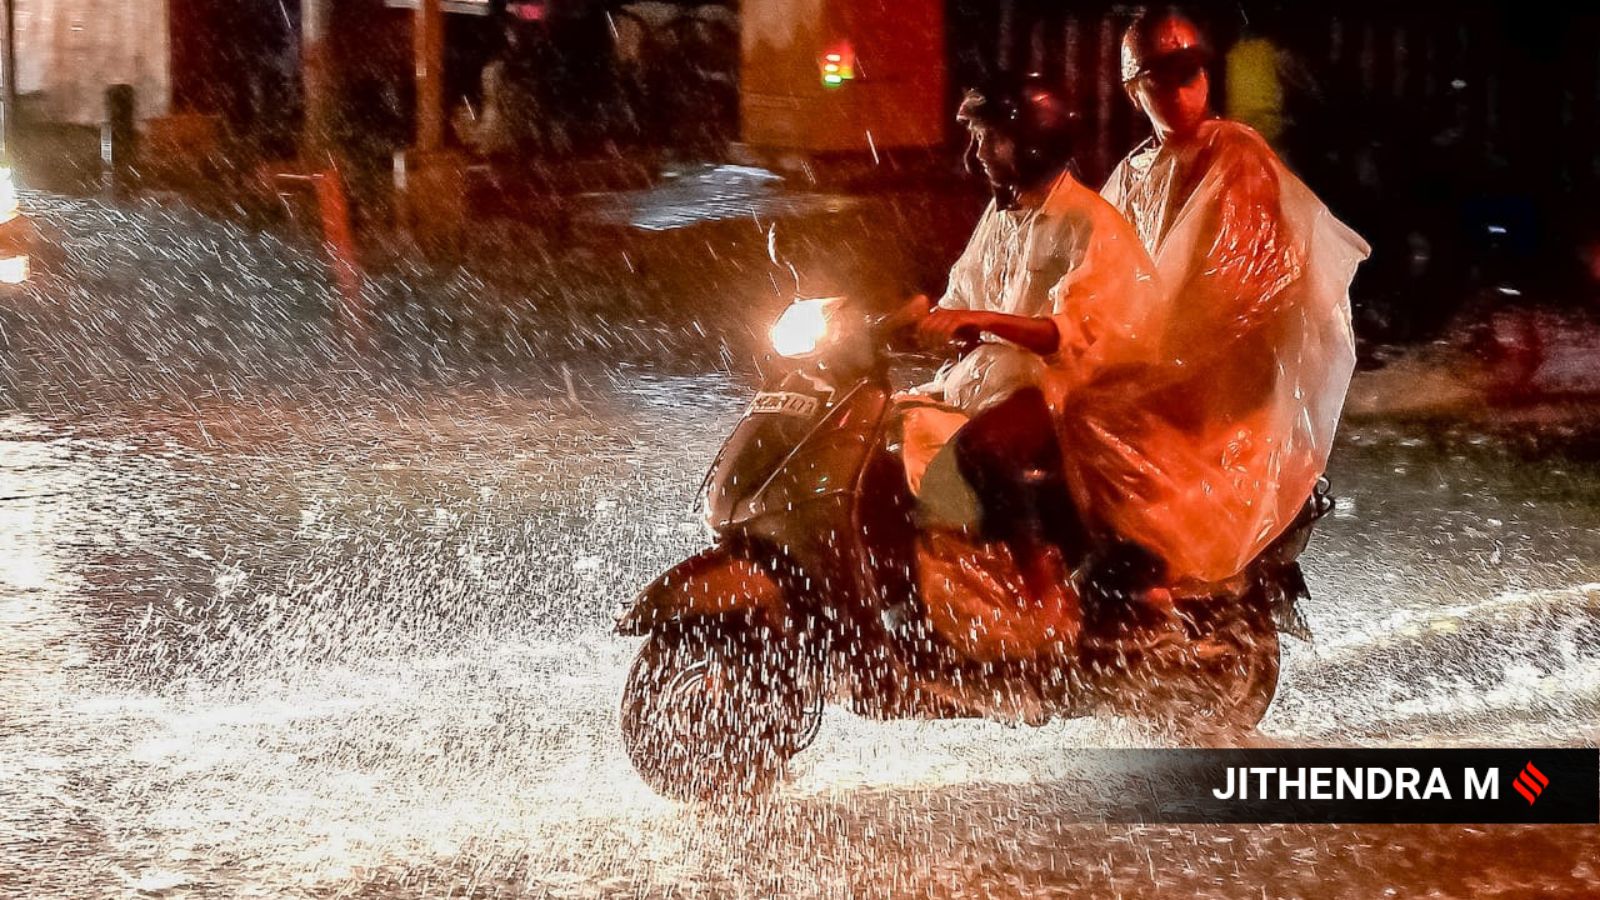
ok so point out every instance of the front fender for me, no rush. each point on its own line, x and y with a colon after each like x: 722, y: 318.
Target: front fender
x: 712, y: 583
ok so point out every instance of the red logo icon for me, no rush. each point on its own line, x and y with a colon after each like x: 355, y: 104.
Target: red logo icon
x: 1530, y: 783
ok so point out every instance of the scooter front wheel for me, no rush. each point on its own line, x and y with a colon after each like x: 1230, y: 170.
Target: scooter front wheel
x: 711, y: 711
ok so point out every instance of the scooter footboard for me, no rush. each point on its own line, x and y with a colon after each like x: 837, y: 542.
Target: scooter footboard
x: 715, y: 582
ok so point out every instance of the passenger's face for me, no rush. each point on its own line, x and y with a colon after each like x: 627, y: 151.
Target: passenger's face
x: 1176, y: 102
x: 996, y: 154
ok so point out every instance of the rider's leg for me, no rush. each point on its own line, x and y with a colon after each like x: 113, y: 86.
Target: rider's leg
x: 1010, y: 455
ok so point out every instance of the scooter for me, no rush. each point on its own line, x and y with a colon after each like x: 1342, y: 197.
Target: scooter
x: 809, y: 596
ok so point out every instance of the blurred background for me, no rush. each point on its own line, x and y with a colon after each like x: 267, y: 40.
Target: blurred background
x: 358, y: 357
x: 1460, y: 141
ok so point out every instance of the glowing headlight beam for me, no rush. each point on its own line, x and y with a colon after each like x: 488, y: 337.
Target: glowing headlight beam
x: 801, y: 327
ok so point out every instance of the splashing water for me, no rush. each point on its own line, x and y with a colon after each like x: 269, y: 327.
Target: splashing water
x: 277, y: 619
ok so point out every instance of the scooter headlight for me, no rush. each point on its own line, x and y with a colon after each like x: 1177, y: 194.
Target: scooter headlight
x: 801, y: 327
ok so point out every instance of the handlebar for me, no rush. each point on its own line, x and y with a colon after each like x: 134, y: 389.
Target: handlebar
x: 896, y: 329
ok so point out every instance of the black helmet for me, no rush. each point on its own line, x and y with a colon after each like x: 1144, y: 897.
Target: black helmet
x: 1034, y: 114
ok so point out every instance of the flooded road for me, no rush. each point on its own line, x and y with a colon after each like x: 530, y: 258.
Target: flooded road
x: 277, y: 624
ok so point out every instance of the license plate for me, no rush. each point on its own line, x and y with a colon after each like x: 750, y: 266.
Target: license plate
x: 785, y: 403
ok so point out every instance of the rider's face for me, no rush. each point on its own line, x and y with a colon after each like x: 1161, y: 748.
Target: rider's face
x: 1176, y: 101
x: 996, y: 154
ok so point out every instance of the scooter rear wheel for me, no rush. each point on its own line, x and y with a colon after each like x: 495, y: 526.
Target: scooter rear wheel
x: 711, y: 712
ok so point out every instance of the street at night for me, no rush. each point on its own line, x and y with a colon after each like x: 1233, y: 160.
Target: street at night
x: 842, y: 449
x: 287, y: 618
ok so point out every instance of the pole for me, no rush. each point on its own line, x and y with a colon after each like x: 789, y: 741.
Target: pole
x: 320, y: 163
x: 428, y: 178
x: 428, y: 48
x: 8, y: 72
x: 317, y: 75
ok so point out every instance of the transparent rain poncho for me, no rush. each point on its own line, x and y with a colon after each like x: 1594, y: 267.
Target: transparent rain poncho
x: 1075, y: 260
x: 1203, y: 439
x: 1198, y: 388
x: 1072, y: 259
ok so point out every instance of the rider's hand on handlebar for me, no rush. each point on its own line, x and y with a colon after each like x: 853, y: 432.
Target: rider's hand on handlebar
x: 943, y: 328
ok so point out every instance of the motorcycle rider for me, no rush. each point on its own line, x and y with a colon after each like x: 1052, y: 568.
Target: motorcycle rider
x: 1234, y: 417
x: 1048, y: 261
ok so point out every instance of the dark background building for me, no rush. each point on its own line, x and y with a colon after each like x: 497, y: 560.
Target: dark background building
x: 1461, y: 139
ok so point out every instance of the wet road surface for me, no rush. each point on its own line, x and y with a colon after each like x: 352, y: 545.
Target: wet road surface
x: 275, y: 622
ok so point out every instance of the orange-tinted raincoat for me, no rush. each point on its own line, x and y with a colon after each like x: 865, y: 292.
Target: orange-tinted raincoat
x: 1208, y: 442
